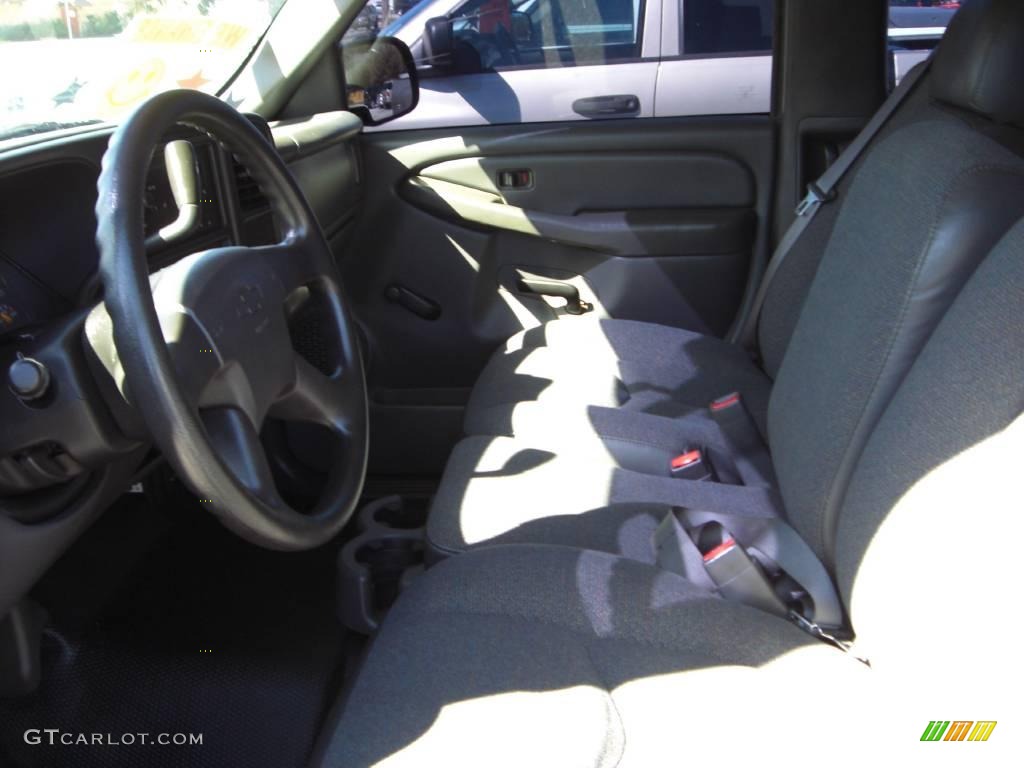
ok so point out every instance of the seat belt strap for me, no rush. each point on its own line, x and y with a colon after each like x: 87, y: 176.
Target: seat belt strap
x: 731, y: 415
x: 846, y: 646
x: 824, y: 191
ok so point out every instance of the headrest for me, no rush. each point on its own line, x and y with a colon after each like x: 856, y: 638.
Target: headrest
x: 979, y: 64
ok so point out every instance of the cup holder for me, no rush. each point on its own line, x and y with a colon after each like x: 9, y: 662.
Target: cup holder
x: 377, y: 565
x: 396, y: 513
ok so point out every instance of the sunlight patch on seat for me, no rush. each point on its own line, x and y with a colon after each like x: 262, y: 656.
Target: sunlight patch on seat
x: 968, y: 510
x: 568, y: 726
x: 541, y: 494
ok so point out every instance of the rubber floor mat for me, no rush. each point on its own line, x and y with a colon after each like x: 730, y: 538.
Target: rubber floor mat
x: 208, y: 636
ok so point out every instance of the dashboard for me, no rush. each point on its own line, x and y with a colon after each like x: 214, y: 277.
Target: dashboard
x: 68, y: 453
x: 48, y: 257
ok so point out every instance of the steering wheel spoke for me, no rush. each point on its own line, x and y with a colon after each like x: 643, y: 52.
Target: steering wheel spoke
x: 294, y: 264
x: 334, y: 401
x: 237, y: 443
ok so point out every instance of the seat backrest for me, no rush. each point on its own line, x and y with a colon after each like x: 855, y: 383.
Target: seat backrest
x: 790, y: 286
x: 788, y: 290
x: 929, y: 203
x: 931, y: 530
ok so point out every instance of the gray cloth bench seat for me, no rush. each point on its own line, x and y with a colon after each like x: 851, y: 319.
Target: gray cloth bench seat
x: 544, y: 655
x: 930, y: 198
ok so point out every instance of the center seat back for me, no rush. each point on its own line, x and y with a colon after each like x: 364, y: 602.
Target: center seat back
x: 929, y: 203
x: 931, y: 526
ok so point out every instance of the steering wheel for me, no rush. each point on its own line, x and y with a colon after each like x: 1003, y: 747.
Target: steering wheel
x: 205, y: 344
x: 507, y: 46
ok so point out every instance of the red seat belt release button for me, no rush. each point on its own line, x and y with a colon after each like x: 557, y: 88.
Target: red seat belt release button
x: 688, y: 459
x: 691, y: 465
x: 726, y: 401
x: 719, y: 551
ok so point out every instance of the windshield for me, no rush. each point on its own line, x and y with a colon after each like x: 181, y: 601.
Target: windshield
x: 75, y: 62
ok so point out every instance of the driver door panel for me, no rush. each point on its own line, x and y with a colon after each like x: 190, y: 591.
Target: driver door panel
x: 653, y: 220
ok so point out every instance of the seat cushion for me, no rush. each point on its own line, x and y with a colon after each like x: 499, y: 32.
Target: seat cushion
x: 502, y: 490
x: 549, y: 656
x: 567, y: 365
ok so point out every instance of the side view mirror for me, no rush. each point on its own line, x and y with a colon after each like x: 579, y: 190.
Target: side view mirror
x: 380, y: 80
x: 438, y: 43
x: 522, y: 28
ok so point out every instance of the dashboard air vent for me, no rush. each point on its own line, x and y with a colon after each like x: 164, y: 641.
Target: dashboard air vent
x: 251, y: 199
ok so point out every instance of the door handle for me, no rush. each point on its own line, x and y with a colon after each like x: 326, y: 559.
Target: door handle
x: 607, y: 106
x: 546, y: 286
x: 520, y: 179
x: 420, y: 306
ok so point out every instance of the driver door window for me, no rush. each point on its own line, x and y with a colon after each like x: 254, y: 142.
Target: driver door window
x: 502, y: 62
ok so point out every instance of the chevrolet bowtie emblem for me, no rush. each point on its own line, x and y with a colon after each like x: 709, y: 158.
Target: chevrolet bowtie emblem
x: 249, y: 301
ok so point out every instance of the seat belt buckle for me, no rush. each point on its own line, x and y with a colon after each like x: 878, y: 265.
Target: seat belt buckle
x: 725, y: 402
x: 692, y: 464
x: 738, y: 577
x: 730, y: 413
